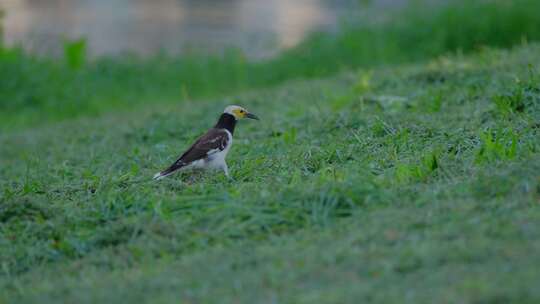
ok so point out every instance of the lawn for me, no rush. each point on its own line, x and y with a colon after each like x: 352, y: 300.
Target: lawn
x: 412, y: 183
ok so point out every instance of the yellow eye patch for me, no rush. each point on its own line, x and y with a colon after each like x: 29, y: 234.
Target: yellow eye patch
x: 239, y: 113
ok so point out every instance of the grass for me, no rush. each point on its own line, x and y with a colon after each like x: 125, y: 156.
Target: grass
x: 410, y: 183
x: 36, y: 91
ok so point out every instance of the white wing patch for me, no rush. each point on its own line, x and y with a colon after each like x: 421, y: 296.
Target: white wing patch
x: 213, y: 151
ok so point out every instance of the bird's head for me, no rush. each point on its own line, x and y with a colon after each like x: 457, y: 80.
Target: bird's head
x: 239, y: 112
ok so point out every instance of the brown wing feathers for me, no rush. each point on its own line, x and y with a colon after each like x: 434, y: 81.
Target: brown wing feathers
x: 213, y: 141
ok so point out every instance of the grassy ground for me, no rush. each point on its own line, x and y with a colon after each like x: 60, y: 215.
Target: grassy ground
x: 40, y: 90
x: 414, y: 184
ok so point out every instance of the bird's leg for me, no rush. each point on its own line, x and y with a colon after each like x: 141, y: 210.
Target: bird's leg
x: 226, y: 170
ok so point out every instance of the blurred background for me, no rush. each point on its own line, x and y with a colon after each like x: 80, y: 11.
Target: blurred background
x: 259, y: 28
x: 61, y: 59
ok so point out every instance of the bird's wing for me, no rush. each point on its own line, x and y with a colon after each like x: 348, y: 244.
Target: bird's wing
x: 215, y: 140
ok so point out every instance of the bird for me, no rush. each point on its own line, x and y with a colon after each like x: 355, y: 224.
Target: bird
x: 209, y: 150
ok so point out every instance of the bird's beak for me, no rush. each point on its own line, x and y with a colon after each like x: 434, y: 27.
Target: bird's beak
x: 252, y: 116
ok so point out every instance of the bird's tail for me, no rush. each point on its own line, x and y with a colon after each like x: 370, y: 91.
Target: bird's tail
x: 168, y: 171
x: 159, y: 176
x: 162, y: 174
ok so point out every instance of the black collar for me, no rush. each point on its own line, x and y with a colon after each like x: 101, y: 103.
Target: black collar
x: 226, y: 121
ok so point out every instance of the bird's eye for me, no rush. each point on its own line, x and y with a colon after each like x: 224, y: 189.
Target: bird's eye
x: 242, y: 111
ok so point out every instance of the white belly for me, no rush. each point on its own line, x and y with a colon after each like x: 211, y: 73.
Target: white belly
x: 217, y: 159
